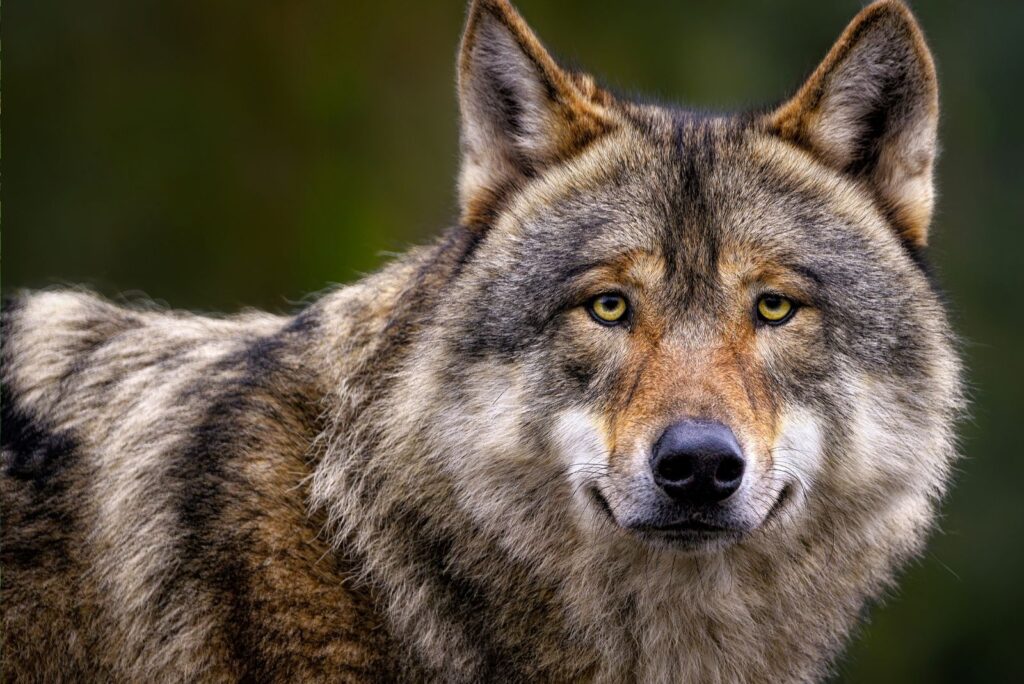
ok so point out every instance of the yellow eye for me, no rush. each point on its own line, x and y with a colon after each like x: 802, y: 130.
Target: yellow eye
x: 609, y: 308
x: 775, y: 309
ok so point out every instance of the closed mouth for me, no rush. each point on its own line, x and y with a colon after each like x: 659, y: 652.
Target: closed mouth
x: 692, y: 535
x: 680, y: 529
x: 690, y: 532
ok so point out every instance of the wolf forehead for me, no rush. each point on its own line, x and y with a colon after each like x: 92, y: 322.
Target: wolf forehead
x: 696, y: 203
x: 684, y: 190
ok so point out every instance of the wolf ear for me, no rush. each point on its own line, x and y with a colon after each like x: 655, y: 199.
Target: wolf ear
x: 871, y: 110
x: 520, y: 111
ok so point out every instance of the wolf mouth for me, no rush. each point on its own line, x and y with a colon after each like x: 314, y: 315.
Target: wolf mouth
x: 680, y: 529
x: 689, y: 529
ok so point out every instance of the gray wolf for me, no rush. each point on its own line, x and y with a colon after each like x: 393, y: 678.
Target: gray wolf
x: 673, y: 401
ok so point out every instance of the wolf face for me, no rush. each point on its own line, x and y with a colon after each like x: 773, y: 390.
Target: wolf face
x: 697, y: 327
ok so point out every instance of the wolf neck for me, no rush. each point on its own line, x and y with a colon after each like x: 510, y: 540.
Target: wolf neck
x: 518, y: 592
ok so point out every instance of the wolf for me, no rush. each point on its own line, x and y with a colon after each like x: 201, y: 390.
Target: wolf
x: 674, y: 400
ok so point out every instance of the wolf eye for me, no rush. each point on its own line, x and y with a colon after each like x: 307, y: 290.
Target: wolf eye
x: 609, y: 309
x: 775, y: 309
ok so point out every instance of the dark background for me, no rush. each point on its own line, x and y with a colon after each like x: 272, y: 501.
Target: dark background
x: 217, y: 154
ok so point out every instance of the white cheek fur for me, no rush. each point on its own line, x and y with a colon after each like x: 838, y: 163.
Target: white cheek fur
x: 578, y: 440
x: 798, y: 452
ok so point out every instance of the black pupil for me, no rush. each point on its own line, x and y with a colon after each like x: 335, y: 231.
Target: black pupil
x: 609, y: 302
x: 773, y: 302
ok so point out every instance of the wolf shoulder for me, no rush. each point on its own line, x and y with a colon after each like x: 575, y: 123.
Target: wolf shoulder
x: 69, y: 356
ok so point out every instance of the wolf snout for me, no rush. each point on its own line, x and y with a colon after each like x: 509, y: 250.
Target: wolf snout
x: 697, y: 462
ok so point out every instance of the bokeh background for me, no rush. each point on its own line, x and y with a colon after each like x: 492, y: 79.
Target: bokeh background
x: 216, y: 155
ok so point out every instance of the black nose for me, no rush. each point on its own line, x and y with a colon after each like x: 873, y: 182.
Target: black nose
x: 698, y: 462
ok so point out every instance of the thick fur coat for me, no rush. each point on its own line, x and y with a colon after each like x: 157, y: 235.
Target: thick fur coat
x: 444, y: 472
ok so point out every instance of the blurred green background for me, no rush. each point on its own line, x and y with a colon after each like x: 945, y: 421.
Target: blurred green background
x: 215, y: 155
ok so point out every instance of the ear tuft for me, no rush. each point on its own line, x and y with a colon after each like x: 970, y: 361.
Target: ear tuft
x: 871, y: 110
x: 520, y: 111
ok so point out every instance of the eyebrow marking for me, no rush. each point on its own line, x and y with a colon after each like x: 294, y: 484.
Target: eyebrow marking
x: 807, y: 272
x: 577, y: 271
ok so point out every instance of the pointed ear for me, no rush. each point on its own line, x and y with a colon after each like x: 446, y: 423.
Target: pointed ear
x: 871, y: 110
x: 520, y: 111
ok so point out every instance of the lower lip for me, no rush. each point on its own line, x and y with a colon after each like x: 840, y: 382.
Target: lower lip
x: 690, y: 528
x: 690, y: 531
x: 690, y: 538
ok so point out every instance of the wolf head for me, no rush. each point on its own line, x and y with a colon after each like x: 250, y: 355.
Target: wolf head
x: 687, y: 328
x: 672, y: 336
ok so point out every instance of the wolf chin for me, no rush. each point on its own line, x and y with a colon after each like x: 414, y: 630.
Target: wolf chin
x: 673, y: 401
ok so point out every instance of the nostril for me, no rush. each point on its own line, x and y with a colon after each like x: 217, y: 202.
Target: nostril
x: 729, y: 470
x: 675, y: 469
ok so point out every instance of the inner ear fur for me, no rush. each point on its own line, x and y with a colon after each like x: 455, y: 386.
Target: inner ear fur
x: 871, y: 110
x: 521, y: 112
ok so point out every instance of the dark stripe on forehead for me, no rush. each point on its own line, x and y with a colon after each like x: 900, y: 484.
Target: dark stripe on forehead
x: 691, y: 242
